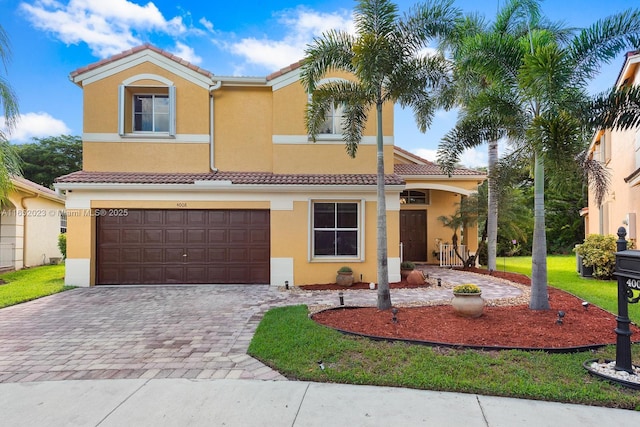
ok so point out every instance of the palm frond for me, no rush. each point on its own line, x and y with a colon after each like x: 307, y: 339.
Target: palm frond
x: 333, y: 50
x: 618, y: 109
x: 597, y: 175
x: 604, y: 41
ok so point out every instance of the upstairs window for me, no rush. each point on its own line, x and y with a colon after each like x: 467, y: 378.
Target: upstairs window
x: 333, y: 121
x: 147, y: 109
x: 151, y: 113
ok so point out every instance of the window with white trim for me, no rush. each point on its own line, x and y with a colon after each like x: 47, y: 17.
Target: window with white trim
x: 151, y: 113
x: 415, y: 197
x: 63, y: 222
x: 147, y: 110
x: 336, y: 229
x: 333, y: 121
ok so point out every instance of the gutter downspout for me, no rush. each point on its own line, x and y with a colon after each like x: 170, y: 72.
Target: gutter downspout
x: 212, y: 88
x: 24, y: 227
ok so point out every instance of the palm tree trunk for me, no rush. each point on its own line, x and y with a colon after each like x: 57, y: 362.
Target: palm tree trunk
x: 492, y: 211
x: 539, y: 297
x: 384, y: 296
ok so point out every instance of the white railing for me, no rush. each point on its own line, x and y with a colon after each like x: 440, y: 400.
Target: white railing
x: 7, y: 255
x: 448, y: 257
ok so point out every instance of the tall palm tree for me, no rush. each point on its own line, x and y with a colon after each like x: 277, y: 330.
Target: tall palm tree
x: 9, y: 160
x: 538, y: 73
x: 386, y: 55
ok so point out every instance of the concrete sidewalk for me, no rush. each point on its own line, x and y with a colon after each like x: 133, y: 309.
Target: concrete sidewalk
x: 245, y: 403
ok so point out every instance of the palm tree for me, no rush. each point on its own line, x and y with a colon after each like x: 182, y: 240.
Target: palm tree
x: 9, y: 160
x: 386, y: 56
x: 538, y: 74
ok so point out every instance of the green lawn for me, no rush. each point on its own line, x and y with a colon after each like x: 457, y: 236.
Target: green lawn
x: 290, y: 342
x: 31, y: 283
x: 561, y: 273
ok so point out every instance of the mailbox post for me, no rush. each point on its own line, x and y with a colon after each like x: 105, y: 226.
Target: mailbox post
x: 628, y: 273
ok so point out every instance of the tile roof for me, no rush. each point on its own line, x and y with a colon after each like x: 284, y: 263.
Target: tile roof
x: 431, y: 169
x: 238, y: 178
x: 25, y: 183
x: 426, y: 167
x: 285, y: 70
x: 135, y: 50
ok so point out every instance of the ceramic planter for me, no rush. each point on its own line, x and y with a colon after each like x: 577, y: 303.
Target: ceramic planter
x: 344, y: 279
x: 468, y: 305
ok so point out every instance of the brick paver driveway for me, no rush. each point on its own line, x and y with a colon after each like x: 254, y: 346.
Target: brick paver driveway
x: 163, y: 331
x: 135, y: 332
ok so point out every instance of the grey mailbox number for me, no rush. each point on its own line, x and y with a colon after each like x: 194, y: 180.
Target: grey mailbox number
x: 631, y: 285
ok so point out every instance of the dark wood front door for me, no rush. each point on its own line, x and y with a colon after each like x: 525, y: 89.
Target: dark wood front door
x: 413, y: 235
x: 148, y: 246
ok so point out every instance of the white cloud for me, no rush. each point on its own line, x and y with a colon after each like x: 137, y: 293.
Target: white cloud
x: 107, y: 27
x: 36, y: 125
x: 187, y: 53
x: 207, y: 24
x: 300, y: 26
x: 474, y: 158
x: 426, y: 154
x: 470, y: 158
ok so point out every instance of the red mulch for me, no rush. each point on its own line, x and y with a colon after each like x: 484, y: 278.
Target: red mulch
x: 512, y: 326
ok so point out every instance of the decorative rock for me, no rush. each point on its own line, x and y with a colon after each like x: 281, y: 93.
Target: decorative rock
x: 416, y: 278
x: 607, y: 369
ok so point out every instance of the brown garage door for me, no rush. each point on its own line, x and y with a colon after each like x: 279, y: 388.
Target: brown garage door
x: 183, y: 246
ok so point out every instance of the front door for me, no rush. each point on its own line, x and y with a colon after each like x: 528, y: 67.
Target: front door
x: 413, y: 235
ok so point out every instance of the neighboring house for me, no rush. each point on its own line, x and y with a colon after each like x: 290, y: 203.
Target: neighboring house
x: 30, y: 222
x: 620, y: 152
x: 189, y: 177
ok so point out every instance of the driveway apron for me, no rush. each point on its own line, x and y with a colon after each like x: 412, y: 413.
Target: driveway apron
x: 163, y: 331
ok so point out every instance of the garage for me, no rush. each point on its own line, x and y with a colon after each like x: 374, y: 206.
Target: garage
x: 147, y: 246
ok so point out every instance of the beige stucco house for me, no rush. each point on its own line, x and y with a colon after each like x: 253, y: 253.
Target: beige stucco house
x: 620, y: 152
x: 30, y: 222
x: 189, y: 177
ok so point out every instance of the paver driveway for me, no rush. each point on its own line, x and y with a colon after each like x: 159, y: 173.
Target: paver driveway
x: 161, y: 331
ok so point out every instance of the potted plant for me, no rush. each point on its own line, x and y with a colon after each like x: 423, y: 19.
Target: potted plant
x: 467, y: 300
x: 345, y: 276
x: 406, y: 267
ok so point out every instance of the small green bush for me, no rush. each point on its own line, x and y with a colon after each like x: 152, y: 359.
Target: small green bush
x: 598, y: 251
x: 62, y: 244
x: 407, y: 265
x: 467, y: 288
x: 345, y: 269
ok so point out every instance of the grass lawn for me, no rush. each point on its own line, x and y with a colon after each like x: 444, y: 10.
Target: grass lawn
x: 561, y: 273
x: 290, y: 342
x: 31, y: 283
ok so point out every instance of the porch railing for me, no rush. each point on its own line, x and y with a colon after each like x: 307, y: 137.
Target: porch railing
x: 448, y: 257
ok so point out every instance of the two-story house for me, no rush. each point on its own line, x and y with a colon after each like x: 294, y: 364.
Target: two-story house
x: 620, y: 152
x: 189, y: 177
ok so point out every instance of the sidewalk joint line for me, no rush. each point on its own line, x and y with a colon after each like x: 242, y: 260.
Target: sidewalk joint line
x: 484, y: 416
x: 123, y: 401
x: 300, y: 405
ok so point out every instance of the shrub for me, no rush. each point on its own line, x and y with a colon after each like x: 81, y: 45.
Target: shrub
x: 62, y: 245
x: 407, y: 265
x: 598, y: 251
x: 467, y: 288
x: 345, y: 269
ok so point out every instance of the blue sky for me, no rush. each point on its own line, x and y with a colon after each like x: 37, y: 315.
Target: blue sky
x: 51, y: 38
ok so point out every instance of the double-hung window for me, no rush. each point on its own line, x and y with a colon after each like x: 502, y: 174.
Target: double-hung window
x: 336, y: 229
